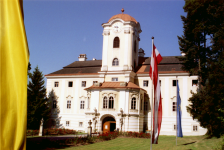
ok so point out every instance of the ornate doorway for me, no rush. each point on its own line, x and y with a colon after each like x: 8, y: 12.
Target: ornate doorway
x: 108, y: 124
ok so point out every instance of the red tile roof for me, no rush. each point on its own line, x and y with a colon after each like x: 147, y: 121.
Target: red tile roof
x: 116, y: 85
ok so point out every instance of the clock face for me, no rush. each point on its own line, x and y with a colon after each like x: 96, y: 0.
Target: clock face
x: 117, y: 27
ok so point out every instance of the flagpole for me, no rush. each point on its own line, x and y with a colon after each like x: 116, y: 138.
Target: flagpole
x: 151, y: 97
x: 176, y: 112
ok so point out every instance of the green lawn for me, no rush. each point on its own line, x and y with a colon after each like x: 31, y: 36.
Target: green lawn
x: 165, y: 143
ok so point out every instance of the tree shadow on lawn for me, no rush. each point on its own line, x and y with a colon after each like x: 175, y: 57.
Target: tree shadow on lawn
x: 189, y: 143
x: 49, y: 143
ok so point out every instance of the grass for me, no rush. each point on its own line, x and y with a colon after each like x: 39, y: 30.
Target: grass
x: 165, y: 143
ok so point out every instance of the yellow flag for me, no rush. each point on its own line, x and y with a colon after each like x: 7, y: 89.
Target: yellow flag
x: 14, y: 58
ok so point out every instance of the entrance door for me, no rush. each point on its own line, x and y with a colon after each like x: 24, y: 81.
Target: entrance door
x: 109, y: 126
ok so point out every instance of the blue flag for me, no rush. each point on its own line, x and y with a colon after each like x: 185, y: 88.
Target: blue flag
x: 179, y: 128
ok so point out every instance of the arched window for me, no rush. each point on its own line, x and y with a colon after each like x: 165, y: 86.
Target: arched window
x: 115, y: 62
x: 105, y: 102
x: 133, y: 103
x: 111, y: 102
x: 135, y: 46
x: 116, y: 42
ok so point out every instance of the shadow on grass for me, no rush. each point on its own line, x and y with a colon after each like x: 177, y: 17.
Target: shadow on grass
x: 189, y: 143
x: 49, y: 143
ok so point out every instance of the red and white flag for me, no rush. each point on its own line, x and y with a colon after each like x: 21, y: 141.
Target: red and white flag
x: 157, y: 112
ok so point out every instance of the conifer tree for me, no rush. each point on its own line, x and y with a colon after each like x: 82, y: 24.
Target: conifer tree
x: 203, y: 43
x: 38, y: 104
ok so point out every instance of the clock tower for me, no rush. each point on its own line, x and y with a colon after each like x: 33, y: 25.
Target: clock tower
x: 120, y: 43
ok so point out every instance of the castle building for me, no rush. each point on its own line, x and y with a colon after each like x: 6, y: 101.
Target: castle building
x: 115, y: 92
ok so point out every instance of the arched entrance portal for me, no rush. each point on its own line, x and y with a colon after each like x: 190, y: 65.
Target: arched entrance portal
x: 108, y: 124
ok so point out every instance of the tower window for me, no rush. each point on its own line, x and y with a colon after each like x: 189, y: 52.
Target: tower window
x: 115, y: 62
x: 116, y: 42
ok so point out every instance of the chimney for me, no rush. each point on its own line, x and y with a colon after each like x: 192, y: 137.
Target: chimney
x: 82, y: 57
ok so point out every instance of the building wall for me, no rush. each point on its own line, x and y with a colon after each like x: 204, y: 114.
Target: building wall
x: 123, y: 100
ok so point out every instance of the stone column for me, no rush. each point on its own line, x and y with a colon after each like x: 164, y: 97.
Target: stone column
x: 41, y: 127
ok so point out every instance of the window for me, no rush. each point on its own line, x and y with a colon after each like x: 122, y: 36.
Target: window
x: 146, y: 106
x: 135, y: 46
x: 95, y: 82
x: 88, y: 103
x: 174, y: 82
x: 114, y: 79
x: 56, y: 84
x: 116, y: 42
x: 111, y: 102
x: 67, y: 123
x: 174, y: 127
x: 68, y: 104
x: 70, y: 84
x: 115, y: 62
x: 105, y: 102
x: 83, y: 83
x: 174, y: 106
x: 133, y: 103
x: 54, y: 104
x: 141, y: 104
x: 80, y: 124
x: 194, y: 82
x: 195, y: 128
x: 82, y: 104
x: 145, y: 83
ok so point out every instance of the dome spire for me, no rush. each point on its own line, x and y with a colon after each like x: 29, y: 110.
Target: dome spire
x: 122, y: 10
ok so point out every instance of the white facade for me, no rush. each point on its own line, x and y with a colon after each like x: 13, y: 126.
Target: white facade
x: 84, y: 100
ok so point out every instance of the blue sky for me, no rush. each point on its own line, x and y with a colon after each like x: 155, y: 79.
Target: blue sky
x: 59, y: 30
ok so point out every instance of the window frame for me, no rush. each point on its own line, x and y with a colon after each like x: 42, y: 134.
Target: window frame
x: 194, y: 82
x: 115, y: 62
x: 193, y: 128
x: 174, y: 83
x: 82, y: 104
x: 95, y: 82
x: 56, y: 84
x: 80, y: 124
x: 67, y: 123
x: 116, y: 42
x: 145, y: 83
x: 69, y: 104
x: 71, y: 84
x: 112, y: 79
x: 174, y: 106
x: 133, y: 103
x: 111, y: 102
x: 83, y: 84
x: 105, y: 102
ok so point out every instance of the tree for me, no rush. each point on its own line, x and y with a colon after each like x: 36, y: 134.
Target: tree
x: 207, y: 105
x: 203, y: 21
x: 38, y: 104
x: 203, y: 43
